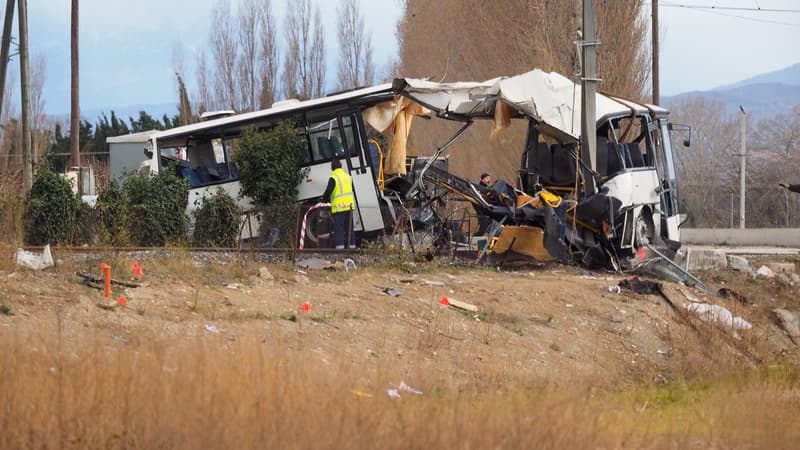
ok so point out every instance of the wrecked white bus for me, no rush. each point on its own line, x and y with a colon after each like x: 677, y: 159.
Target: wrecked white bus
x: 548, y: 213
x: 611, y: 211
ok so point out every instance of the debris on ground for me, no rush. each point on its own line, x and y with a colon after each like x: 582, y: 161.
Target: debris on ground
x: 212, y: 329
x: 33, y: 260
x: 730, y: 293
x: 765, y: 272
x: 640, y: 286
x: 313, y: 263
x: 461, y: 305
x: 718, y: 314
x: 434, y: 283
x: 388, y: 290
x: 90, y: 281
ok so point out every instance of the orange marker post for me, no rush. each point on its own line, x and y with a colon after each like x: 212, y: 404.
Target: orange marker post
x: 137, y: 270
x: 107, y: 275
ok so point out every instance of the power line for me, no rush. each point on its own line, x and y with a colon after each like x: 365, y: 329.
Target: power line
x: 713, y: 10
x: 730, y: 8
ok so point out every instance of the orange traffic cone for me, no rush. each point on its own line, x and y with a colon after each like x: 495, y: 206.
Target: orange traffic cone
x: 444, y: 301
x: 137, y: 270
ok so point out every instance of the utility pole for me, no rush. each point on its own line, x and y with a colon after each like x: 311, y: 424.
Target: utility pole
x: 75, y: 108
x: 24, y: 79
x: 742, y: 162
x: 589, y: 82
x: 654, y: 32
x: 5, y: 47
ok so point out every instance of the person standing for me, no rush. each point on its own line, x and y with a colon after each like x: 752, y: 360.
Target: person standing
x: 340, y: 194
x: 484, y: 221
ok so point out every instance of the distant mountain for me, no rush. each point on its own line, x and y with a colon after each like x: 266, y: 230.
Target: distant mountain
x: 788, y: 76
x: 761, y: 96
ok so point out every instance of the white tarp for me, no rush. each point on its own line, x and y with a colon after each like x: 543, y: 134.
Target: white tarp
x: 549, y: 98
x: 718, y: 314
x: 35, y: 261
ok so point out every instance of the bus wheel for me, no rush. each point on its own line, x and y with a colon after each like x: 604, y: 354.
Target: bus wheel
x: 318, y: 228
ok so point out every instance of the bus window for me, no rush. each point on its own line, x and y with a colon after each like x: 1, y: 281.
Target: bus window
x: 326, y: 141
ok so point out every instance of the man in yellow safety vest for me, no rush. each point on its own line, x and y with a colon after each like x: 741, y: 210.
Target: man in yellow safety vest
x: 340, y: 194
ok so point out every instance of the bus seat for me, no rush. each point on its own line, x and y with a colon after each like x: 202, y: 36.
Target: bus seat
x: 602, y: 156
x: 191, y: 175
x: 635, y: 151
x: 222, y: 171
x: 203, y: 174
x: 563, y: 166
x: 544, y: 163
x: 326, y: 149
x: 615, y: 163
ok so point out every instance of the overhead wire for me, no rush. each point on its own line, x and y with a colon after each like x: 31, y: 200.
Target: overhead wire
x: 718, y: 11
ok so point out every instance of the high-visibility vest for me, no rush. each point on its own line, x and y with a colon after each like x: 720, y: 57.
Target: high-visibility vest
x: 342, y: 198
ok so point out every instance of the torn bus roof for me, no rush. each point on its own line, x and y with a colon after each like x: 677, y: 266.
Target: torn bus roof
x: 551, y: 99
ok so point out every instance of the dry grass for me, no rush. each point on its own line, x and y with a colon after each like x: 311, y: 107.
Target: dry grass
x: 76, y: 376
x: 73, y: 386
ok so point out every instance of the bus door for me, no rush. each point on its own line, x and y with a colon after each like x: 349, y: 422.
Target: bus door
x: 368, y: 216
x: 668, y: 188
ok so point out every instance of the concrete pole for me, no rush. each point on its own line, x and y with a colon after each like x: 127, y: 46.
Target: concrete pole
x: 24, y: 79
x: 743, y: 164
x: 75, y: 109
x: 588, y: 101
x: 5, y: 47
x: 654, y: 32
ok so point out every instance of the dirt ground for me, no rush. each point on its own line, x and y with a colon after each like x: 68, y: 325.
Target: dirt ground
x: 557, y: 325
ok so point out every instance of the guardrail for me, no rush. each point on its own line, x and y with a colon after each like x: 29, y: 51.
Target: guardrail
x: 779, y: 237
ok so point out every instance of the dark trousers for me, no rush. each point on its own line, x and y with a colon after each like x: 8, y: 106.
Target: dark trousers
x: 342, y: 226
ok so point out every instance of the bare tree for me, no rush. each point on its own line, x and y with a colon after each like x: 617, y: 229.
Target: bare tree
x: 203, y: 99
x: 355, y: 47
x: 40, y: 132
x: 248, y: 78
x: 224, y: 49
x: 304, y: 66
x: 185, y: 115
x: 268, y: 55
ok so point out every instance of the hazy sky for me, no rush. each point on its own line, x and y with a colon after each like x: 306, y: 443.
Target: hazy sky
x: 127, y: 47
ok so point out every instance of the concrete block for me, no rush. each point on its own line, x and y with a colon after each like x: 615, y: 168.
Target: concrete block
x: 707, y: 260
x: 738, y: 263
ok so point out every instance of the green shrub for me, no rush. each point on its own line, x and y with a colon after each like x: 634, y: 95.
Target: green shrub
x: 153, y: 208
x: 269, y: 174
x: 217, y: 221
x: 86, y: 229
x: 110, y: 208
x: 50, y: 213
